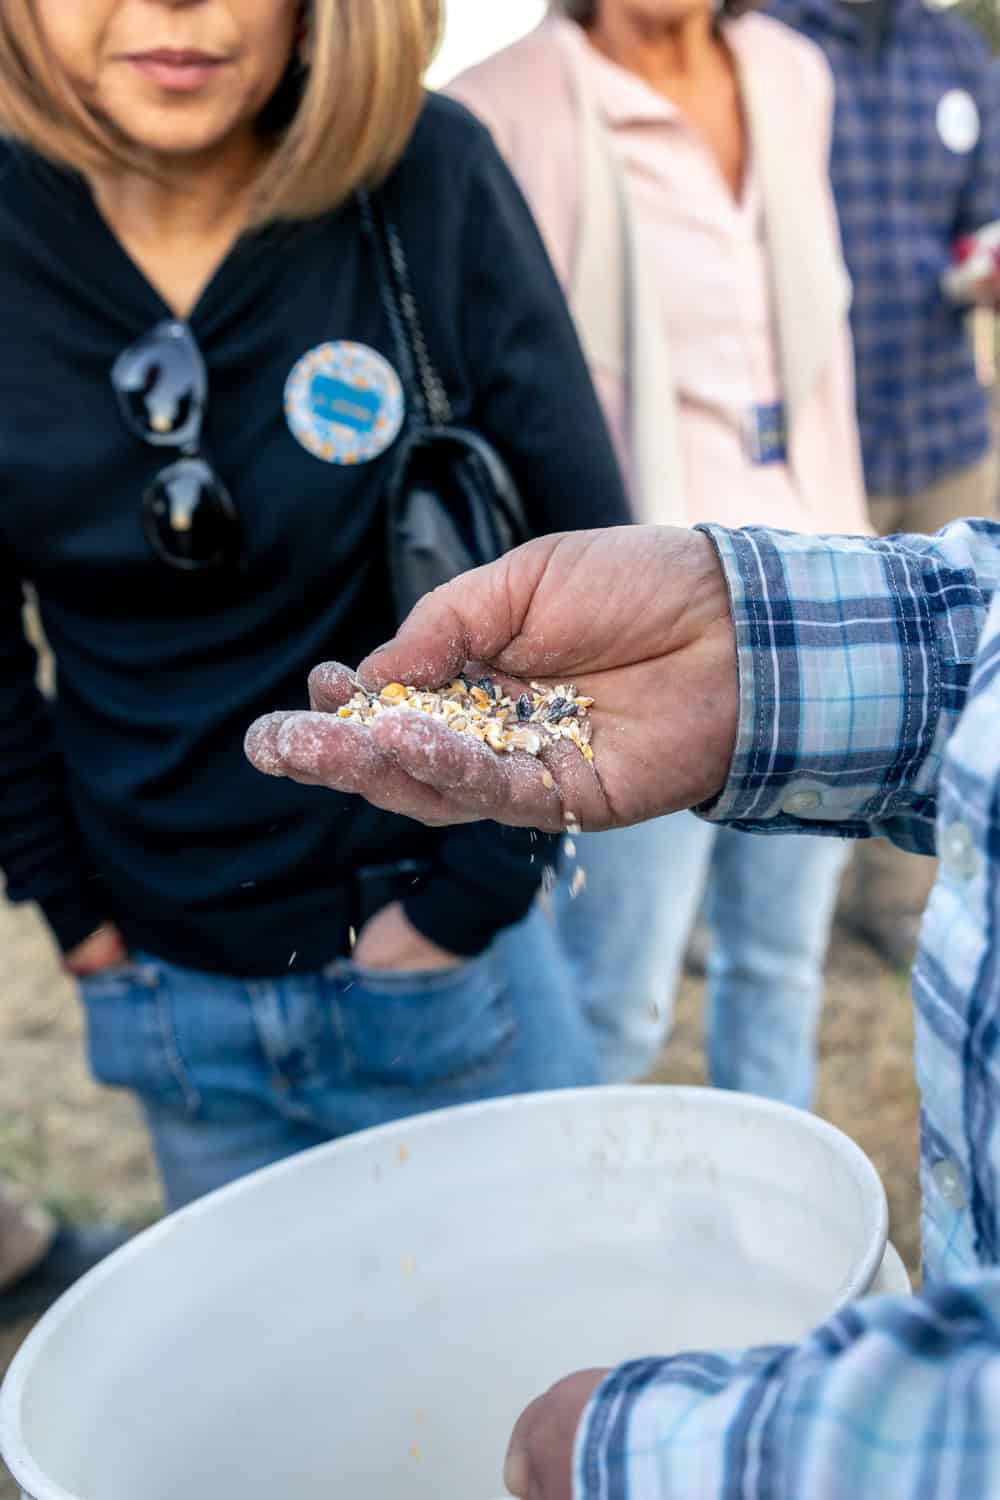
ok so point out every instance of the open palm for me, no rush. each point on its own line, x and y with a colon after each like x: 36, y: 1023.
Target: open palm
x: 636, y: 618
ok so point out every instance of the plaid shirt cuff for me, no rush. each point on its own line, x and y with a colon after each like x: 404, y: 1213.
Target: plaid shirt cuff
x: 843, y: 711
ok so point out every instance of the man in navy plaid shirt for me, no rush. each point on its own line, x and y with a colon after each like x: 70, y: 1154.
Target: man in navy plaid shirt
x: 915, y: 166
x: 783, y: 684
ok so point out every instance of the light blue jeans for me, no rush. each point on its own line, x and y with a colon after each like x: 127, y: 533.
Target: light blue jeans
x: 769, y: 904
x: 236, y: 1074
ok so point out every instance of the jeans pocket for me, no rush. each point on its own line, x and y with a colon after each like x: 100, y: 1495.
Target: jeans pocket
x: 130, y: 1035
x: 447, y: 1028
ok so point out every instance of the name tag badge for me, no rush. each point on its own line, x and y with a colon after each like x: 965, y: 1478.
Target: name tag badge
x: 344, y: 403
x: 767, y: 434
x: 958, y: 122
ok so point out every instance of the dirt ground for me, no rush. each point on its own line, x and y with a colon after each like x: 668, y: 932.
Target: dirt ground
x: 81, y: 1149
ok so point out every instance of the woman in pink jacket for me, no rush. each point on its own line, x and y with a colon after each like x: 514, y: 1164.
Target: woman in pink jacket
x: 675, y: 157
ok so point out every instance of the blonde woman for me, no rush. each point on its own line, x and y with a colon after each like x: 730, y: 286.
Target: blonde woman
x: 675, y: 156
x: 200, y: 415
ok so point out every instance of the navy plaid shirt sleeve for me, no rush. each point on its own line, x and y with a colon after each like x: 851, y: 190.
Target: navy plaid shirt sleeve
x: 980, y: 203
x: 855, y: 657
x: 891, y: 1400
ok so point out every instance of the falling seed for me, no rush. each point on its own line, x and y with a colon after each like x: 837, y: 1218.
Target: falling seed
x: 579, y: 882
x: 248, y: 885
x: 572, y: 823
x: 549, y: 880
x: 352, y: 938
x: 293, y: 958
x: 570, y: 848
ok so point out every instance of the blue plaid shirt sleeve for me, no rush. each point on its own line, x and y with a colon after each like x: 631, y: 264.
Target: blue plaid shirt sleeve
x: 980, y: 201
x: 855, y: 658
x: 890, y: 1400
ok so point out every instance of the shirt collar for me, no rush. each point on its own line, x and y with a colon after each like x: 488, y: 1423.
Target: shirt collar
x: 622, y: 97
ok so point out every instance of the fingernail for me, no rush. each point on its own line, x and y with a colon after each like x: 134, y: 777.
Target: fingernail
x: 515, y: 1473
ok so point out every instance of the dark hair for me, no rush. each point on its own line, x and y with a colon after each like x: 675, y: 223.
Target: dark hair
x: 584, y: 12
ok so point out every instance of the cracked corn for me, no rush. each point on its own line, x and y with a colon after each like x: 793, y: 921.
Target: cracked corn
x: 482, y: 711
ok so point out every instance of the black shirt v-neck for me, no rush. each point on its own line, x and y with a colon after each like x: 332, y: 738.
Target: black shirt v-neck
x: 132, y: 799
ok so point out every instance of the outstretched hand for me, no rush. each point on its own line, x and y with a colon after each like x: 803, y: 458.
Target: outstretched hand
x: 636, y: 618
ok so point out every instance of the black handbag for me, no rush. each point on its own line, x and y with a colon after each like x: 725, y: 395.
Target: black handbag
x: 451, y: 503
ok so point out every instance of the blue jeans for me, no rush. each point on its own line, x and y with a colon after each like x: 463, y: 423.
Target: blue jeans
x: 234, y: 1074
x: 769, y: 905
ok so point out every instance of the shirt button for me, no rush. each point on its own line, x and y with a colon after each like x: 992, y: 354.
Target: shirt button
x: 958, y: 852
x: 947, y: 1178
x: 801, y: 804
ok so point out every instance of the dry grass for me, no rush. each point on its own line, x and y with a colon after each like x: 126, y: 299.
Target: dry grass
x: 82, y: 1149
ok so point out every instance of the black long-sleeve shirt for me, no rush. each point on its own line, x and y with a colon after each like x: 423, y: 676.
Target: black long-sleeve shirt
x: 129, y: 798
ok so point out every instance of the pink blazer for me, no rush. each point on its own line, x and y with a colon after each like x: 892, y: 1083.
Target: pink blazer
x: 529, y: 97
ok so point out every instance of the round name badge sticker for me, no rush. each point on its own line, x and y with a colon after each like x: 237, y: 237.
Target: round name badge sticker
x: 344, y: 403
x: 958, y: 121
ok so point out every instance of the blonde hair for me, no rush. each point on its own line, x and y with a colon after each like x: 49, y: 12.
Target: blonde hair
x: 350, y: 115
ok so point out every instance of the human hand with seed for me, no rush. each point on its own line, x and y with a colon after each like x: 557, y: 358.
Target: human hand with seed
x: 636, y: 619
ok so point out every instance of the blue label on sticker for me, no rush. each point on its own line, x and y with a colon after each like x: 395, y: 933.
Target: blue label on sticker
x: 767, y: 434
x: 344, y: 403
x: 336, y: 401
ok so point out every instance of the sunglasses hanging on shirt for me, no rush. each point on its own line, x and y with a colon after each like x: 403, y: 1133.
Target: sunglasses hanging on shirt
x: 188, y: 515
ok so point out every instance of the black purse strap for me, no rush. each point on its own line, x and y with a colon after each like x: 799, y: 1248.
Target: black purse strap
x: 425, y: 390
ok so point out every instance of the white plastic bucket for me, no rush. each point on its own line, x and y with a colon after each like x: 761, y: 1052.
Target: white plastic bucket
x: 367, y: 1320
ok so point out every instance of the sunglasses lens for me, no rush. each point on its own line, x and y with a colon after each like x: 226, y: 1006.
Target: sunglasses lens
x: 190, y: 519
x: 161, y: 386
